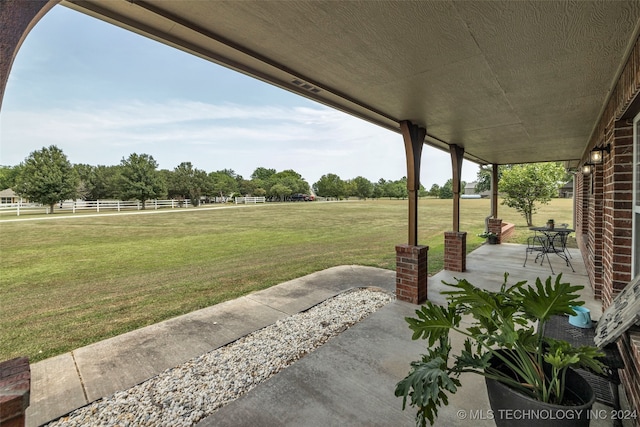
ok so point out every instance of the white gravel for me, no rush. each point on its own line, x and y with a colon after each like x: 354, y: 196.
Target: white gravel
x: 186, y: 394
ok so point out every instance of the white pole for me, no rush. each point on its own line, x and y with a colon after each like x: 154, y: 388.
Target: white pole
x: 19, y: 203
x: 97, y: 205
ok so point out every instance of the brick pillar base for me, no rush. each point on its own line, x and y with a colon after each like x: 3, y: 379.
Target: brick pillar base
x: 15, y: 385
x: 411, y: 273
x: 455, y: 250
x: 495, y: 226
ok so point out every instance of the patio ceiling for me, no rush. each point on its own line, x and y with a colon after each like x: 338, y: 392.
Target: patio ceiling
x: 510, y: 81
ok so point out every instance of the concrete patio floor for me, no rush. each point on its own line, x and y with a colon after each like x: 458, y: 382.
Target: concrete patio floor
x: 348, y: 381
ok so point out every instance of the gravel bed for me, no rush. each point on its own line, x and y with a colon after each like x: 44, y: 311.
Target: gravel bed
x: 186, y: 394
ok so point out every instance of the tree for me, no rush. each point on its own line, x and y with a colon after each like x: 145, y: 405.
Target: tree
x: 223, y: 183
x: 362, y: 187
x: 483, y: 177
x: 8, y: 176
x: 140, y: 179
x: 330, y: 185
x: 397, y: 189
x: 446, y: 191
x: 280, y: 191
x: 524, y: 185
x: 422, y: 192
x: 262, y: 173
x: 290, y: 179
x: 250, y: 188
x: 378, y: 189
x: 434, y: 191
x: 47, y: 177
x: 84, y: 172
x: 104, y: 182
x: 188, y: 182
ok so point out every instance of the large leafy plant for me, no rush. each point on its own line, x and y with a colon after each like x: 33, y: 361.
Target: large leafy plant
x: 502, y: 328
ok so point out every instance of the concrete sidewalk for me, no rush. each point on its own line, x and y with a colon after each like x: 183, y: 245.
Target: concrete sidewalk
x: 66, y: 382
x: 349, y: 381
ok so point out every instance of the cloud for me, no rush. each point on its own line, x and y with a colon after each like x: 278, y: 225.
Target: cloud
x: 312, y: 141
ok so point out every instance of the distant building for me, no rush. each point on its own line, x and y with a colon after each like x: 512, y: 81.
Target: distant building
x: 566, y: 190
x: 8, y: 196
x: 470, y: 190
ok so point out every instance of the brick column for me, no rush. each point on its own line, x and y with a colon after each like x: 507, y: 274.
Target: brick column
x: 411, y: 273
x: 15, y: 384
x: 455, y: 250
x: 495, y: 226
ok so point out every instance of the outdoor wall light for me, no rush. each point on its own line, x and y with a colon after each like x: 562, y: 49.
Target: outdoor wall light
x: 597, y: 154
x: 586, y: 169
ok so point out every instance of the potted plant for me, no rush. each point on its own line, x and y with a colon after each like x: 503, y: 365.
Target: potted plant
x: 502, y: 343
x: 551, y: 224
x: 491, y: 237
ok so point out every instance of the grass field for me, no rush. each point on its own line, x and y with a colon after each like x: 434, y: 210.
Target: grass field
x: 68, y: 282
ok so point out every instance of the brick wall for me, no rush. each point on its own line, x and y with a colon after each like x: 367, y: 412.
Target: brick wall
x: 411, y: 273
x: 494, y: 225
x: 604, y: 210
x: 594, y: 231
x: 15, y: 384
x: 455, y: 250
x: 617, y: 211
x: 581, y: 211
x: 508, y: 230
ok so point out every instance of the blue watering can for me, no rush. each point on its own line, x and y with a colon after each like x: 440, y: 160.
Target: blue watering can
x: 582, y: 319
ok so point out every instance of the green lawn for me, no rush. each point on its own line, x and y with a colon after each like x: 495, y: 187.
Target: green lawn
x: 66, y: 283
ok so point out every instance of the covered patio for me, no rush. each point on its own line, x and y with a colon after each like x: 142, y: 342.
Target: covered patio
x: 494, y: 83
x: 350, y: 380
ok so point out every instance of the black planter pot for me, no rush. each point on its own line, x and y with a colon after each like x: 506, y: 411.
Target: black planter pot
x: 493, y: 240
x: 512, y: 408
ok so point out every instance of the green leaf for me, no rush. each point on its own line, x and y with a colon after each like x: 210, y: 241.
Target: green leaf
x: 561, y: 354
x: 471, y: 358
x: 433, y: 322
x: 549, y: 299
x: 425, y: 385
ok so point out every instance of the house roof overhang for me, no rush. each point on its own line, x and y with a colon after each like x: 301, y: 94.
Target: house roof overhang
x: 510, y: 82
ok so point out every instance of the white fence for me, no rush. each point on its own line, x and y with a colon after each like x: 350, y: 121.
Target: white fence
x: 22, y: 208
x: 92, y: 205
x: 120, y: 205
x: 247, y: 200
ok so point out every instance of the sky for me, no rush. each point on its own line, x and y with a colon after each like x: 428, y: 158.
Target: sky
x: 101, y: 93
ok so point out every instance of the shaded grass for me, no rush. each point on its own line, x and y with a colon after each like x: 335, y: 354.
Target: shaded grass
x: 69, y: 282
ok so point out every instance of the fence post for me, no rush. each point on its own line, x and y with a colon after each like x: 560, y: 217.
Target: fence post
x: 19, y: 204
x: 155, y: 202
x: 97, y: 205
x: 73, y: 208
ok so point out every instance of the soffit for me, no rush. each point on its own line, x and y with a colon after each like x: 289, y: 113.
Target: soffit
x: 511, y: 82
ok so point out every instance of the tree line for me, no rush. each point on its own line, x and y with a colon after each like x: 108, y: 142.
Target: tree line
x: 47, y: 176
